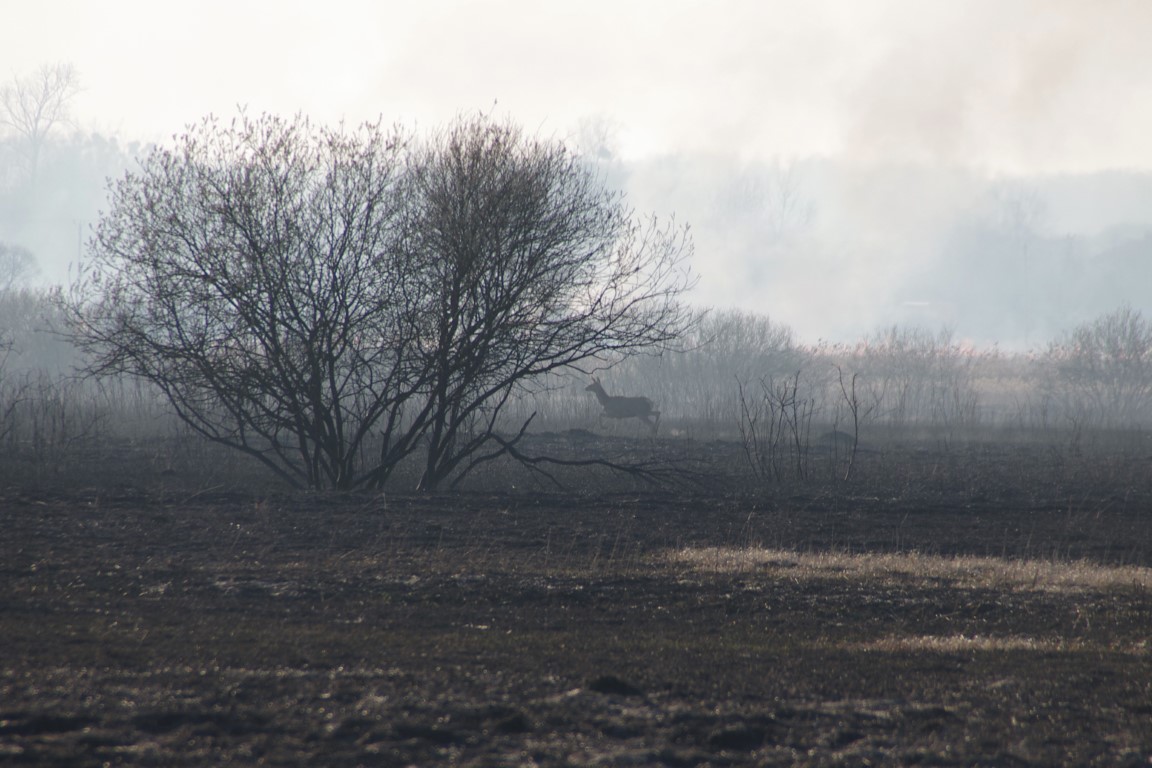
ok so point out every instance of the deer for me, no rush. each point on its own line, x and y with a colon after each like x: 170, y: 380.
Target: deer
x: 619, y: 407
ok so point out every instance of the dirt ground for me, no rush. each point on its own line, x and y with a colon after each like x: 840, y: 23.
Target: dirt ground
x: 149, y: 625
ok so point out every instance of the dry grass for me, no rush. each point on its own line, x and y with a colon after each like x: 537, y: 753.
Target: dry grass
x: 965, y: 643
x: 965, y: 572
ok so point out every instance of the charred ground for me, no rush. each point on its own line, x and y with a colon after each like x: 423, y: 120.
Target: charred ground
x: 147, y: 623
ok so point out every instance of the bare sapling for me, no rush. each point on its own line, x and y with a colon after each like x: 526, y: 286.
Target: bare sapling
x: 853, y: 402
x: 10, y: 394
x: 775, y: 428
x: 621, y: 407
x: 797, y: 412
x: 758, y: 435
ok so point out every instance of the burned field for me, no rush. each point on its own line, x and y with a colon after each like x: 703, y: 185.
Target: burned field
x: 990, y: 608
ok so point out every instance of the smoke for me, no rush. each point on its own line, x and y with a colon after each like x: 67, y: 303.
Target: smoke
x: 837, y: 250
x: 1019, y: 87
x: 898, y: 120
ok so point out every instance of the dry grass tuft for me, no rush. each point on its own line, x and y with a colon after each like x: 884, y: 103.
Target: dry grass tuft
x: 912, y: 567
x: 961, y: 643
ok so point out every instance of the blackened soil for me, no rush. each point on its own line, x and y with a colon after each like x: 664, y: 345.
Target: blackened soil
x: 157, y: 628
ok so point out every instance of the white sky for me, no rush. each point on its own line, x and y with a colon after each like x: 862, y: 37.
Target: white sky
x: 1003, y: 85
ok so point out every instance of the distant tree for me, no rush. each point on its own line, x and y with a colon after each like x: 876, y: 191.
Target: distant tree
x: 32, y: 105
x: 17, y: 266
x: 71, y: 187
x: 911, y: 374
x: 744, y: 344
x: 597, y: 137
x: 769, y: 198
x: 1103, y: 368
x: 333, y: 302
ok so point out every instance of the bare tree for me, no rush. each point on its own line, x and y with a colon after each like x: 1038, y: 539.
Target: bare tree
x: 852, y: 400
x: 245, y: 273
x: 332, y: 302
x: 17, y: 265
x: 529, y: 265
x: 916, y: 375
x: 775, y: 427
x: 1019, y: 217
x: 597, y: 137
x: 772, y: 199
x: 32, y: 105
x: 1103, y: 369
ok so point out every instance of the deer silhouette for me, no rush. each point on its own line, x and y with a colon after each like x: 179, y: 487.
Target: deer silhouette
x: 618, y: 407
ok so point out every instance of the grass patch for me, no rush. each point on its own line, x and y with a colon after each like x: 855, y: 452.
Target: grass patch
x: 961, y: 571
x: 965, y: 643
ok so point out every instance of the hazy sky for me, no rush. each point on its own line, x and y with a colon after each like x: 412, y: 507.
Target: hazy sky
x: 1004, y: 85
x: 916, y: 107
